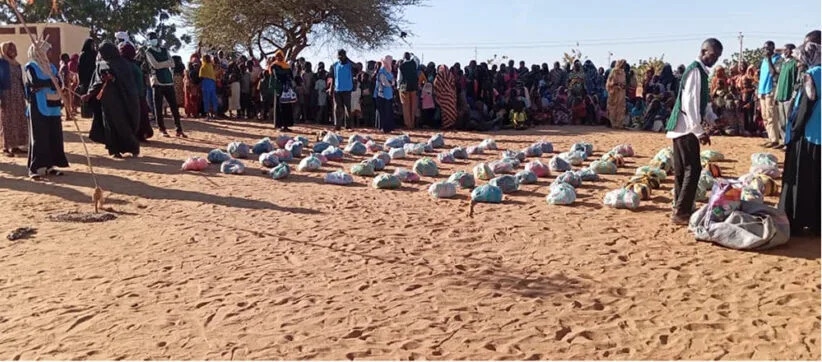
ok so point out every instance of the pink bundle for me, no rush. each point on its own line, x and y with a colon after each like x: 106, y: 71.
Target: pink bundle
x: 195, y: 164
x: 538, y: 168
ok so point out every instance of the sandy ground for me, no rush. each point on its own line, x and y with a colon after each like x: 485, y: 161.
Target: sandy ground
x: 212, y: 266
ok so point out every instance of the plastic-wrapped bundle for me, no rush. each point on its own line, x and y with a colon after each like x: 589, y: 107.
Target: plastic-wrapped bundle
x: 405, y: 138
x: 394, y: 142
x: 426, y: 167
x: 463, y: 179
x: 332, y: 139
x: 751, y: 194
x: 641, y: 189
x: 442, y: 190
x: 483, y: 172
x: 445, y: 157
x: 338, y: 178
x: 333, y: 153
x: 765, y: 185
x: 514, y: 154
x: 648, y: 180
x: 309, y: 164
x: 653, y: 172
x: 586, y: 148
x: 284, y: 155
x: 558, y: 164
x: 356, y: 148
x: 725, y: 199
x: 532, y: 151
x: 362, y: 169
x: 281, y: 140
x: 218, y: 156
x: 500, y: 167
x: 508, y: 184
x: 384, y: 156
x: 603, y: 167
x: 587, y: 174
x: 614, y: 157
x: 373, y: 146
x: 763, y: 159
x: 570, y: 178
x: 489, y: 144
x: 375, y: 163
x: 561, y: 194
x: 386, y: 181
x: 320, y: 157
x: 487, y: 193
x: 712, y: 156
x: 195, y: 164
x: 625, y: 150
x: 427, y: 147
x: 437, y: 141
x: 238, y: 150
x: 663, y: 163
x: 406, y: 175
x: 269, y: 160
x: 538, y: 168
x: 357, y: 138
x: 414, y: 148
x: 459, y: 153
x: 280, y: 171
x: 295, y: 147
x: 475, y: 150
x: 574, y: 158
x: 302, y: 140
x: 547, y: 147
x: 771, y: 171
x: 396, y: 153
x: 262, y: 146
x: 622, y: 199
x: 526, y: 177
x: 320, y: 146
x: 232, y: 166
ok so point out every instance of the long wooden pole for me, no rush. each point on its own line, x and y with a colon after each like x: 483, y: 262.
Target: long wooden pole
x: 43, y: 62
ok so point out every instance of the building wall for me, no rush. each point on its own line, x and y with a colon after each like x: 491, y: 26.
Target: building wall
x: 71, y: 39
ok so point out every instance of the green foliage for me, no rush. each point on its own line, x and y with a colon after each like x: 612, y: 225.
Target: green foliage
x: 643, y: 65
x: 749, y: 56
x: 497, y: 60
x: 574, y: 55
x: 105, y: 17
x: 264, y: 26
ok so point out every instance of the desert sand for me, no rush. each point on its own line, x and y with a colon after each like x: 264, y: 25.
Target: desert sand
x: 213, y: 266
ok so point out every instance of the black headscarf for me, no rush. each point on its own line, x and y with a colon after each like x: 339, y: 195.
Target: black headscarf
x: 666, y: 77
x: 86, y: 64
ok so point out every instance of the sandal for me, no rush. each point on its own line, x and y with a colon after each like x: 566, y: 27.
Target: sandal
x: 18, y: 150
x: 55, y: 172
x: 164, y: 134
x: 8, y: 153
x: 181, y: 134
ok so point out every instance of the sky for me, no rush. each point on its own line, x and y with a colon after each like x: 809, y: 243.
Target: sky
x: 539, y: 31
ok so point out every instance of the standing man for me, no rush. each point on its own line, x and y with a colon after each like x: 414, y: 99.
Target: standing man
x: 788, y: 74
x: 685, y: 129
x: 342, y: 76
x: 162, y: 84
x: 409, y: 84
x: 768, y: 74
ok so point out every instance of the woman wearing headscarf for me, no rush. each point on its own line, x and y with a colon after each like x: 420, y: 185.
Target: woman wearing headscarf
x: 666, y: 78
x: 384, y: 94
x: 591, y: 76
x: 445, y: 91
x: 13, y: 124
x: 803, y: 136
x: 46, y: 150
x: 233, y: 80
x: 719, y: 82
x: 85, y: 70
x: 178, y: 74
x: 617, y: 84
x: 280, y: 70
x: 144, y: 130
x: 117, y: 90
x: 191, y: 87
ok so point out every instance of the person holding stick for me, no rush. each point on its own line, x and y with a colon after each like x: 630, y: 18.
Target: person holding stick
x: 46, y: 150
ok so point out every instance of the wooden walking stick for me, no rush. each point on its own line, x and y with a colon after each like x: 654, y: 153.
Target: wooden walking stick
x: 43, y: 62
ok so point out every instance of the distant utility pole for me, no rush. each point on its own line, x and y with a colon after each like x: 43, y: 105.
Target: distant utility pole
x: 739, y: 61
x: 475, y: 53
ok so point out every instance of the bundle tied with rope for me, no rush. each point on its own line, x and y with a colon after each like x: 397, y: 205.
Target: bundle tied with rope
x: 39, y: 56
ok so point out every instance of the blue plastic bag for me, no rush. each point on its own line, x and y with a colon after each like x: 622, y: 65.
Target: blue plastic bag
x: 262, y: 146
x: 437, y: 141
x: 232, y: 166
x: 459, y: 153
x: 507, y: 183
x: 269, y: 160
x: 333, y: 153
x: 356, y: 148
x: 280, y: 172
x: 320, y: 146
x: 487, y: 193
x: 463, y: 179
x: 218, y: 156
x: 561, y: 194
x: 526, y: 177
x: 426, y: 167
x: 386, y: 181
x: 238, y: 150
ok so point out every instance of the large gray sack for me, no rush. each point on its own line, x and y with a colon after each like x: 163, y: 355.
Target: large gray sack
x: 753, y: 226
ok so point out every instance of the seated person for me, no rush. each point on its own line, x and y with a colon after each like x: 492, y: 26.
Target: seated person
x: 517, y: 106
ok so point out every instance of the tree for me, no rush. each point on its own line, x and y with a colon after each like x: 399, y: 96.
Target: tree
x: 292, y: 25
x: 750, y: 56
x: 497, y: 59
x: 651, y: 63
x: 105, y: 17
x: 574, y: 55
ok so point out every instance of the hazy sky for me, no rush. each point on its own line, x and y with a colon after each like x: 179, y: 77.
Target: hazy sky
x: 537, y: 31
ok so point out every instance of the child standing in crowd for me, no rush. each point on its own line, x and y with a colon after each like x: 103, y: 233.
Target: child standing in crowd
x: 208, y: 82
x: 356, y: 98
x: 245, y: 92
